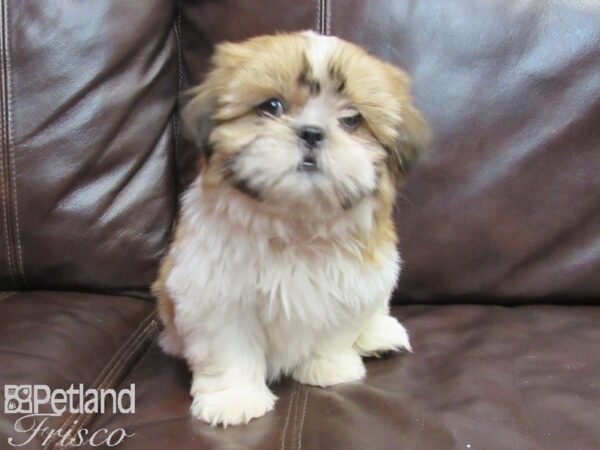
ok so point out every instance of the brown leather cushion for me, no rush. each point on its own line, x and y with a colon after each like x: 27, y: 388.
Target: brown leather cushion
x: 62, y: 338
x: 480, y: 377
x: 88, y: 186
x: 504, y: 207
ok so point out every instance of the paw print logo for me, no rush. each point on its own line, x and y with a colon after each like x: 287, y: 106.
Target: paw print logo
x: 17, y: 399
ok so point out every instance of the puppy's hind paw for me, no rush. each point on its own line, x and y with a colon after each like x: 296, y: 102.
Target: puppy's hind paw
x: 233, y: 406
x: 382, y: 334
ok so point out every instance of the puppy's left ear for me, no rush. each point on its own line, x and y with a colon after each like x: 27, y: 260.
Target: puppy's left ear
x: 413, y: 133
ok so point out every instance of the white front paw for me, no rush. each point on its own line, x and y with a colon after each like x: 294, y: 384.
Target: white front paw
x: 233, y: 406
x: 382, y: 334
x: 330, y: 369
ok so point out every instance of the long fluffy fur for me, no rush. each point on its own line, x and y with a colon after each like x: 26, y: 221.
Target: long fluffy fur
x: 275, y: 272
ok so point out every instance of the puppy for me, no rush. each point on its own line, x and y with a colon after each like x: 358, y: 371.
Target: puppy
x: 284, y: 256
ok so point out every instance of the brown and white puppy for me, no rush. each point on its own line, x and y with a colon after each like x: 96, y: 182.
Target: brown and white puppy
x: 284, y: 256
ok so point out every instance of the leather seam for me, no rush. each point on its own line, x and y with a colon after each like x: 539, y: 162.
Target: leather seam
x: 175, y: 116
x: 303, y: 415
x: 119, y: 377
x: 287, y: 417
x: 318, y: 23
x: 327, y: 21
x: 5, y: 184
x: 81, y: 420
x: 321, y: 17
x: 9, y: 262
x: 296, y: 416
x: 11, y: 150
x: 324, y: 17
x: 107, y: 377
x: 10, y: 168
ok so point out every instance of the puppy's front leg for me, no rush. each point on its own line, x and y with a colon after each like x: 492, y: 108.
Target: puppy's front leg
x: 229, y: 370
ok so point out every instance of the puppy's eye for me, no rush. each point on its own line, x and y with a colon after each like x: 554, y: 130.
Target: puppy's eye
x: 272, y: 107
x: 351, y: 123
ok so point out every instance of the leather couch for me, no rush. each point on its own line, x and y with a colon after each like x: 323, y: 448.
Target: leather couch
x: 499, y: 222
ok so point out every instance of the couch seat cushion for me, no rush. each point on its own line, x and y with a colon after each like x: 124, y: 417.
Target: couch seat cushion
x: 480, y: 377
x: 63, y: 338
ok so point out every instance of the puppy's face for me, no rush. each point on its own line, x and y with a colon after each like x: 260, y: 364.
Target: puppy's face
x: 304, y: 123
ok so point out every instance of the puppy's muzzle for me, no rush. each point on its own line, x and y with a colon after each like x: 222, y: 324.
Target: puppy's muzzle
x: 312, y: 138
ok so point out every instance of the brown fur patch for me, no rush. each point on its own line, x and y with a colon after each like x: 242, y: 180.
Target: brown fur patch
x: 166, y: 309
x: 384, y: 232
x: 381, y: 93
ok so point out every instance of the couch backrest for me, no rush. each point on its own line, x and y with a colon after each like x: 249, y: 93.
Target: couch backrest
x: 505, y: 207
x: 88, y: 90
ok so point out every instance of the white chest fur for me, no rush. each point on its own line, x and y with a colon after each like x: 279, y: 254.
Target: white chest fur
x: 233, y: 263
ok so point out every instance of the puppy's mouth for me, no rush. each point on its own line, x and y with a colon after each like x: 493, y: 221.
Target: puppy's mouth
x: 308, y: 164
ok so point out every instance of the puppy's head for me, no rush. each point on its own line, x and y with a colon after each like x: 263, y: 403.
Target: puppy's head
x: 304, y: 123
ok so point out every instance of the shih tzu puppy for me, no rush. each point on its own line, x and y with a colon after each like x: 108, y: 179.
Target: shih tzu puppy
x: 284, y: 257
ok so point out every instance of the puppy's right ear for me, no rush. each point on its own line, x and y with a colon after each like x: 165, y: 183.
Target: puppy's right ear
x: 197, y: 116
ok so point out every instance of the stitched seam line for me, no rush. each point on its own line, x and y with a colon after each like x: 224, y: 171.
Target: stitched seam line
x: 327, y: 21
x: 116, y: 372
x: 4, y: 194
x: 287, y: 417
x: 323, y: 17
x: 4, y: 157
x: 119, y: 375
x: 303, y: 415
x: 108, y: 375
x: 13, y: 168
x: 175, y: 116
x: 73, y: 419
x: 70, y: 427
x: 318, y: 23
x: 295, y: 420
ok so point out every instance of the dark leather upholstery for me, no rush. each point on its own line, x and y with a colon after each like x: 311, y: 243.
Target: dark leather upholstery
x: 63, y: 338
x: 506, y: 205
x: 87, y: 174
x: 503, y: 209
x: 486, y: 376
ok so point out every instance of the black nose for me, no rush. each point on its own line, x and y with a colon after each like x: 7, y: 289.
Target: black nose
x: 311, y: 135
